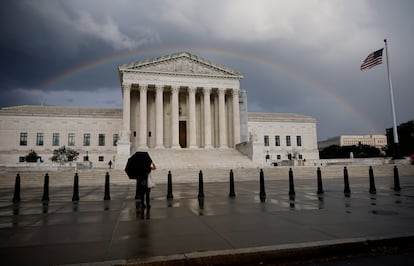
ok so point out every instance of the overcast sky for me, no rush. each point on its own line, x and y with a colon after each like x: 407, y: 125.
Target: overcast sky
x: 296, y: 56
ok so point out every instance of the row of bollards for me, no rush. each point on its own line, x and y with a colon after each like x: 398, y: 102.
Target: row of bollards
x: 262, y: 193
x: 45, y: 196
x: 232, y: 194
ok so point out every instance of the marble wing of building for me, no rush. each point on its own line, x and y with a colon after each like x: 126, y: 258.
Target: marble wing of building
x: 171, y: 103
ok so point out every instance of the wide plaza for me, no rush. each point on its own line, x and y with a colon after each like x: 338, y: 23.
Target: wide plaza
x: 190, y: 229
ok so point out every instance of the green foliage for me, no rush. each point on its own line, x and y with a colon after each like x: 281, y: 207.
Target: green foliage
x: 360, y: 151
x: 31, y: 157
x: 64, y: 154
x: 406, y: 140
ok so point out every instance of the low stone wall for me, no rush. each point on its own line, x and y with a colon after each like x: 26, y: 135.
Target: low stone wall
x: 362, y: 161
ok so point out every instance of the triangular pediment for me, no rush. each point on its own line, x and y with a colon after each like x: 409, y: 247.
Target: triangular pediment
x: 180, y: 63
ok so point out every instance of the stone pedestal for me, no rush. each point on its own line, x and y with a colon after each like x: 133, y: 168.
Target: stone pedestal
x: 123, y: 153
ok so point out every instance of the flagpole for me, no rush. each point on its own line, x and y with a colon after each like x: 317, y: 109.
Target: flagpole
x: 392, y: 101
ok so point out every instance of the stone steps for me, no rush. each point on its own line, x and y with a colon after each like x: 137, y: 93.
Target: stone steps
x: 199, y: 158
x: 96, y: 177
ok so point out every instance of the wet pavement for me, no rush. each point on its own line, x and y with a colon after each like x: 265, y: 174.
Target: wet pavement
x: 114, y: 231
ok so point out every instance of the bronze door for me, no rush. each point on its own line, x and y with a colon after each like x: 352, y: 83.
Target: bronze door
x: 183, y: 134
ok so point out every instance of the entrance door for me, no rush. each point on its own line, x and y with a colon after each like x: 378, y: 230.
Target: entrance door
x: 183, y: 134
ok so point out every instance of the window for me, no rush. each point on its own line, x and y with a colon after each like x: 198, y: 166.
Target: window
x: 277, y: 140
x: 22, y: 159
x: 23, y: 139
x: 101, y: 158
x: 55, y: 139
x: 298, y: 141
x: 266, y: 140
x: 71, y: 139
x: 115, y: 139
x: 278, y: 156
x: 39, y: 139
x: 86, y: 139
x: 101, y: 140
x: 288, y: 141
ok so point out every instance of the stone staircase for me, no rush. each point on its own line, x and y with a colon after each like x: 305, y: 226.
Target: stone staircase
x: 96, y: 177
x: 200, y: 158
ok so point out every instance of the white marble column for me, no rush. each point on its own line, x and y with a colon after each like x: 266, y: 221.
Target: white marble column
x: 143, y: 116
x: 236, y: 116
x: 124, y: 144
x: 207, y: 118
x: 175, y: 142
x: 126, y: 113
x: 222, y: 118
x: 159, y: 117
x: 192, y: 117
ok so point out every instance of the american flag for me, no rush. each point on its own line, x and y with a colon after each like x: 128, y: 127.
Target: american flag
x: 372, y: 60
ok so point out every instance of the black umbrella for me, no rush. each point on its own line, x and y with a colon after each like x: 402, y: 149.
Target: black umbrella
x: 138, y: 165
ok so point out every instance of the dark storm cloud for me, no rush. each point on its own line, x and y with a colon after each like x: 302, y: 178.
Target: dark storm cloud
x: 296, y: 56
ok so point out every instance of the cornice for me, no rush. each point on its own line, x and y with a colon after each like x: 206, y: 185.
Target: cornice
x: 189, y: 75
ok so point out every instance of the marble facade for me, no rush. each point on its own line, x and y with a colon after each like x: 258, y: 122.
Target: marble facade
x: 178, y: 101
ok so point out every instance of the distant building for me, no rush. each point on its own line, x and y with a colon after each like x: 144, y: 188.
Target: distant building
x: 378, y: 141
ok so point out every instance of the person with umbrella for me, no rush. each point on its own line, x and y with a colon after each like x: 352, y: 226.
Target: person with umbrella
x: 138, y: 167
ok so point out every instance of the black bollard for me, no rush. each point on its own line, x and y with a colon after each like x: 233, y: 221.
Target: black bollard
x: 292, y: 201
x: 75, y: 196
x: 107, y: 197
x: 46, y: 188
x: 291, y: 183
x: 320, y: 186
x: 232, y: 194
x: 372, y: 188
x: 16, y: 196
x: 200, y: 185
x: 262, y: 187
x: 347, y: 190
x: 396, y: 179
x: 169, y: 189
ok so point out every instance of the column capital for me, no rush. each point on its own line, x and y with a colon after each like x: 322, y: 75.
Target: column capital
x: 235, y: 91
x: 159, y: 88
x: 192, y: 89
x: 143, y: 87
x: 206, y: 91
x: 221, y: 91
x: 175, y: 89
x: 126, y: 86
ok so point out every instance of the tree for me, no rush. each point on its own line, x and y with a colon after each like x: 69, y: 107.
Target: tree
x: 406, y: 139
x: 64, y: 155
x: 360, y: 151
x: 31, y: 157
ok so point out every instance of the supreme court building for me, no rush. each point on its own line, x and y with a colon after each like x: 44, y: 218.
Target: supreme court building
x: 174, y: 102
x: 179, y: 101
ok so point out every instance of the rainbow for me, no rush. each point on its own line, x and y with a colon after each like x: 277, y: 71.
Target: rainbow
x: 161, y: 51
